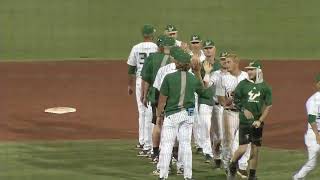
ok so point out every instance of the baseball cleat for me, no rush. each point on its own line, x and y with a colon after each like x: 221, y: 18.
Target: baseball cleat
x: 143, y: 153
x: 155, y: 160
x: 230, y: 176
x: 232, y: 170
x: 199, y: 150
x: 296, y: 178
x: 180, y: 171
x: 156, y: 172
x: 139, y: 146
x: 243, y: 174
x: 174, y: 161
x: 207, y: 158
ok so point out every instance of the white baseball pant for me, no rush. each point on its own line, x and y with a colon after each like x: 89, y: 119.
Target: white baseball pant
x: 205, y: 113
x: 196, y: 125
x: 313, y: 153
x: 145, y: 138
x: 230, y: 143
x: 176, y: 125
x: 217, y: 130
x: 148, y: 126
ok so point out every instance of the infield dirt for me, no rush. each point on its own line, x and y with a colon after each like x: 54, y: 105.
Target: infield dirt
x: 98, y: 90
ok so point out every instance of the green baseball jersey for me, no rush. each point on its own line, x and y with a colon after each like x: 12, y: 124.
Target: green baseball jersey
x: 252, y: 97
x: 180, y: 87
x: 149, y: 72
x: 207, y: 96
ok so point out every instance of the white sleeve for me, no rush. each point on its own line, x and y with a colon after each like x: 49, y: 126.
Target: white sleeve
x: 132, y: 61
x: 158, y: 79
x: 312, y: 108
x: 215, y: 77
x: 220, y: 90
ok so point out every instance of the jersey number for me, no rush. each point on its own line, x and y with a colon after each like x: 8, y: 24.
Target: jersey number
x: 142, y: 57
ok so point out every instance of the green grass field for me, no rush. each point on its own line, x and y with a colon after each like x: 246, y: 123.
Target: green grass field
x: 117, y: 160
x: 70, y: 29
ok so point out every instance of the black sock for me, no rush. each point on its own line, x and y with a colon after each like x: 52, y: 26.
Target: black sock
x: 156, y: 151
x: 175, y: 152
x: 233, y: 164
x: 233, y: 167
x: 252, y: 173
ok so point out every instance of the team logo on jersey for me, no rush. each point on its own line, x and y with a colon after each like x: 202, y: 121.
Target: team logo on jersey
x: 253, y: 96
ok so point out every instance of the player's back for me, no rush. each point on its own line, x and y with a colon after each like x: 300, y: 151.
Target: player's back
x: 139, y: 54
x: 180, y: 87
x: 160, y: 60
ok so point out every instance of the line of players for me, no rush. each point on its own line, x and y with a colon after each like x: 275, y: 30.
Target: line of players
x: 216, y: 120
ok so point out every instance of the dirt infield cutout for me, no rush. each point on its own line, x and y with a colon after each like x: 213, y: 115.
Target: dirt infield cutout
x: 104, y: 110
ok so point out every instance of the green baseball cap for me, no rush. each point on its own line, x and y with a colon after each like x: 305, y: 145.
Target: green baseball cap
x: 318, y: 77
x: 223, y: 55
x: 160, y: 40
x: 169, y: 41
x: 195, y: 38
x: 170, y: 28
x: 174, y: 50
x: 254, y: 65
x: 208, y: 44
x: 148, y: 29
x: 180, y: 55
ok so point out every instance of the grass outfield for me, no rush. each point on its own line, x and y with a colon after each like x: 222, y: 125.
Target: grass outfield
x: 70, y: 29
x: 117, y: 160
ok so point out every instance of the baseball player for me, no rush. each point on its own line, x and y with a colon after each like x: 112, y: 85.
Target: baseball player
x: 176, y: 106
x: 162, y: 72
x: 197, y: 54
x: 217, y: 113
x: 206, y: 102
x: 150, y: 69
x: 225, y: 92
x: 135, y: 63
x: 253, y: 98
x: 312, y: 136
x: 196, y: 48
x: 172, y: 31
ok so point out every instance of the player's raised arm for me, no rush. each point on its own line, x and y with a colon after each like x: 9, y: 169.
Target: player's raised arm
x: 207, y: 68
